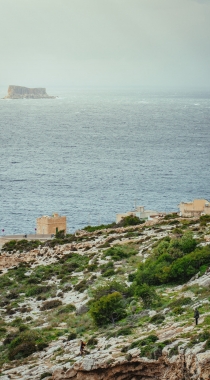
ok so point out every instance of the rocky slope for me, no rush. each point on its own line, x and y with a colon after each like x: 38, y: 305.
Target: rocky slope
x: 19, y: 92
x: 154, y: 341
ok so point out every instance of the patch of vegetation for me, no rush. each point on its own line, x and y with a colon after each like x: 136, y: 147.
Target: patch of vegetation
x: 101, y: 227
x: 39, y: 289
x: 147, y: 294
x: 67, y: 309
x: 173, y: 261
x: 108, y: 309
x: 130, y: 220
x: 92, y: 341
x: 157, y: 319
x: 81, y: 286
x: 108, y: 288
x: 123, y: 331
x: 21, y: 245
x: 180, y: 302
x: 72, y: 336
x: 149, y: 348
x: 45, y: 374
x: 173, y: 351
x: 120, y: 252
x: 23, y: 344
x: 50, y: 304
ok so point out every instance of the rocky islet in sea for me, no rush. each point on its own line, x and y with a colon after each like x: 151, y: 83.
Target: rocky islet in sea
x: 19, y: 92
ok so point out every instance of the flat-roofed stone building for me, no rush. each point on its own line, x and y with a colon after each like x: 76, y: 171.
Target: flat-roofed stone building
x: 50, y: 224
x: 141, y: 213
x: 195, y: 208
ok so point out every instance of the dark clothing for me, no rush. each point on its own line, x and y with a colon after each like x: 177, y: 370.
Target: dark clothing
x: 196, y: 316
x: 82, y: 346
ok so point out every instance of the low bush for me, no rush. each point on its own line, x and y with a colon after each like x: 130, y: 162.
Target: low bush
x: 67, y: 309
x: 120, y: 252
x: 146, y: 293
x: 45, y: 374
x: 50, y: 304
x: 108, y: 288
x: 178, y: 310
x: 22, y: 350
x: 35, y: 290
x: 157, y: 319
x: 21, y: 245
x: 92, y: 341
x: 108, y: 273
x: 130, y: 220
x: 180, y: 302
x: 81, y: 286
x: 72, y: 336
x: 100, y: 227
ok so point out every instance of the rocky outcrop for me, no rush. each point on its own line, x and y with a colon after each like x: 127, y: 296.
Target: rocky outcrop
x: 19, y: 92
x: 180, y: 367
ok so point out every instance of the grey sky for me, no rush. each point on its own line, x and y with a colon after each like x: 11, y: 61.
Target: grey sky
x: 105, y: 42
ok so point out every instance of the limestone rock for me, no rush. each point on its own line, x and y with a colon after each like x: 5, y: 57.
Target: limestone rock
x: 19, y: 92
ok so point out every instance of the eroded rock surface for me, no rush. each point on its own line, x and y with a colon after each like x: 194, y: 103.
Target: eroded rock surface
x: 19, y: 92
x: 181, y: 367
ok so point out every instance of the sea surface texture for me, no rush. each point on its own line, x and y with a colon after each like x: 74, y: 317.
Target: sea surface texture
x: 92, y: 153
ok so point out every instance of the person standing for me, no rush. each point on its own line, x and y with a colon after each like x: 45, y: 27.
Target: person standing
x: 82, y: 346
x: 196, y: 316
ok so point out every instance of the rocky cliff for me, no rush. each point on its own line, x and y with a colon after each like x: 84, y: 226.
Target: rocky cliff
x: 181, y: 367
x: 47, y: 291
x: 19, y: 92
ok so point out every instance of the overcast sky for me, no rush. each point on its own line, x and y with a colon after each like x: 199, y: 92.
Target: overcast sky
x: 105, y: 42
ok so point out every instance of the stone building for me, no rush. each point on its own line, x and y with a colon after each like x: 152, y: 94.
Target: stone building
x: 50, y: 224
x: 141, y: 213
x: 195, y: 208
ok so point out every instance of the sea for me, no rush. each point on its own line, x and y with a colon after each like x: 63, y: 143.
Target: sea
x: 94, y: 152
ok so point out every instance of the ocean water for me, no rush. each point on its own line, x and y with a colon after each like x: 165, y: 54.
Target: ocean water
x: 92, y: 153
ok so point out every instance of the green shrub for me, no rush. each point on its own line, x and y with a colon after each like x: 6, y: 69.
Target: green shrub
x: 67, y: 309
x: 41, y: 346
x: 178, y: 310
x: 35, y: 290
x: 22, y: 350
x: 124, y: 331
x: 45, y: 374
x: 81, y: 286
x: 21, y: 245
x: 120, y: 252
x: 109, y: 288
x: 180, y: 302
x: 107, y: 266
x: 157, y: 319
x: 50, y: 304
x: 130, y: 220
x: 131, y: 277
x: 170, y: 262
x: 101, y: 227
x: 109, y: 273
x: 170, y: 216
x: 207, y: 345
x: 146, y: 293
x: 92, y: 341
x: 108, y: 309
x: 72, y: 336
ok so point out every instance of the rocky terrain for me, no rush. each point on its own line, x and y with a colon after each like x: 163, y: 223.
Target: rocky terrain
x: 129, y: 293
x: 19, y: 92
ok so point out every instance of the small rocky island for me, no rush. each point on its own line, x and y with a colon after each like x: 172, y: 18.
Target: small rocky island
x: 19, y: 92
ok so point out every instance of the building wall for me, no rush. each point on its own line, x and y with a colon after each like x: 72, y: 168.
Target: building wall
x: 194, y: 208
x: 49, y: 224
x: 140, y: 212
